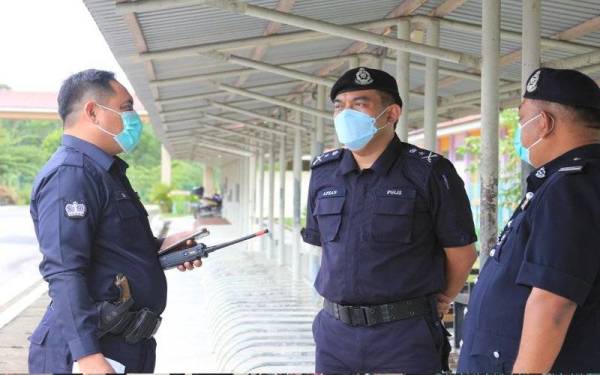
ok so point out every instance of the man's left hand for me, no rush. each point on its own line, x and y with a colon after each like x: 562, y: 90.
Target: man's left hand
x: 174, y: 238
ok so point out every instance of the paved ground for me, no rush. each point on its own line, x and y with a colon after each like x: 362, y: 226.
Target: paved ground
x: 239, y: 313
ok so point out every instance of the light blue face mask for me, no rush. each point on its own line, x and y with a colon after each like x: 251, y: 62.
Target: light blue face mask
x: 131, y: 134
x: 355, y: 129
x: 523, y: 151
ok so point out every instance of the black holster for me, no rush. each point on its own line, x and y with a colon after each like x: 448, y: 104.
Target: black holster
x: 133, y: 326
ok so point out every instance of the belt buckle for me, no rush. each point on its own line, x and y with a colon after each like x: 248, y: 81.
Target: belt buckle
x: 363, y: 316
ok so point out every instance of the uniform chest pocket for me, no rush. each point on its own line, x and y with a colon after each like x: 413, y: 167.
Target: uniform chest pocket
x: 127, y: 207
x: 328, y: 211
x: 393, y: 215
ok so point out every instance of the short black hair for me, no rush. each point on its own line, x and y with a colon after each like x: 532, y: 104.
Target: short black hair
x: 80, y: 84
x: 587, y: 116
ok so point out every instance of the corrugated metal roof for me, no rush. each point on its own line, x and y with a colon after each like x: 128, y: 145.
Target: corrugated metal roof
x: 190, y: 26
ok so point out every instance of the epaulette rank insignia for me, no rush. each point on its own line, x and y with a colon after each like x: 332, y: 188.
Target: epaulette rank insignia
x: 326, y: 157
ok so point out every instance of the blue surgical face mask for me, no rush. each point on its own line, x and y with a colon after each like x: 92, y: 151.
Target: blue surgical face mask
x: 523, y: 151
x: 130, y: 136
x: 355, y: 129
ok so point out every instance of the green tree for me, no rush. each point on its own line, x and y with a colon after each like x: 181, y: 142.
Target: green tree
x: 509, y: 168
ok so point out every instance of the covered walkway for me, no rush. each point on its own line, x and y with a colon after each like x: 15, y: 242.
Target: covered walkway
x: 242, y: 87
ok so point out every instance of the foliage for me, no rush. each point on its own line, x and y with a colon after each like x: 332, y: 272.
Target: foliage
x: 509, y: 168
x: 160, y: 194
x: 26, y: 145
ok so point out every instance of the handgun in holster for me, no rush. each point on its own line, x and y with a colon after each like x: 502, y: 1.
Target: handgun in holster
x: 116, y: 318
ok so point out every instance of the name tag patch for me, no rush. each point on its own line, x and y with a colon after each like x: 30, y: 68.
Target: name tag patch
x: 331, y: 192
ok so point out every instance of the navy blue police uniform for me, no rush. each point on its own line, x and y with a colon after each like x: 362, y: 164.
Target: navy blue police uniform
x: 383, y: 231
x: 551, y: 242
x: 91, y: 225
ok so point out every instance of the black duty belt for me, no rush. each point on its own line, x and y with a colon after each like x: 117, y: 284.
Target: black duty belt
x: 358, y: 315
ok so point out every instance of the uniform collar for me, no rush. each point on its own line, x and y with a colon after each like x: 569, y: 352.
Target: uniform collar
x: 573, y: 157
x: 94, y: 152
x: 381, y: 166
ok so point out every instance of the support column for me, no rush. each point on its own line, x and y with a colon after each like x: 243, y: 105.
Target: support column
x: 261, y: 194
x: 490, y: 48
x: 530, y: 57
x: 320, y: 137
x: 282, y: 170
x: 271, y: 247
x: 403, y: 78
x: 252, y: 189
x: 209, y: 181
x: 431, y: 88
x: 297, y: 204
x: 165, y: 166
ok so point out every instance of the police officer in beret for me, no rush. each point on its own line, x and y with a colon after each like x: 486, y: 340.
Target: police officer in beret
x: 536, y: 305
x: 396, y: 231
x: 91, y: 227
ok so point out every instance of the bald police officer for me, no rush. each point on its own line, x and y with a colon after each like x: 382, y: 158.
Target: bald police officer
x: 91, y: 226
x: 535, y: 308
x: 397, y: 234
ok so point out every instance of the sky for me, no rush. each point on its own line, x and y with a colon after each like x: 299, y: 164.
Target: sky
x: 42, y: 42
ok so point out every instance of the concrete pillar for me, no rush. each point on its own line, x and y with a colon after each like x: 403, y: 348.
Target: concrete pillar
x: 490, y: 48
x: 530, y: 57
x: 209, y: 181
x: 271, y: 198
x: 260, y: 199
x: 403, y: 78
x: 297, y: 204
x: 431, y: 88
x: 282, y: 170
x: 252, y: 163
x: 320, y: 138
x: 165, y: 166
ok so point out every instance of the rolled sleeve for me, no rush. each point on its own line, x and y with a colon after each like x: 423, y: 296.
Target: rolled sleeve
x: 451, y: 209
x: 561, y: 254
x: 65, y: 235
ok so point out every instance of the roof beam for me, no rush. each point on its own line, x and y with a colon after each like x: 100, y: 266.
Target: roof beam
x: 270, y: 68
x: 241, y: 7
x: 267, y: 41
x: 274, y: 101
x: 259, y: 116
x: 235, y: 73
x: 201, y: 114
x: 207, y: 95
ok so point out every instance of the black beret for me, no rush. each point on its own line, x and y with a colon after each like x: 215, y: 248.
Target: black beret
x: 362, y: 78
x: 564, y: 86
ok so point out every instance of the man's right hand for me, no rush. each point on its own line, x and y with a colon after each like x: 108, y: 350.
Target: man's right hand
x: 95, y: 364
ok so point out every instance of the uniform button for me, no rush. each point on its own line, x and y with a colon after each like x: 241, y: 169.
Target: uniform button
x: 492, y: 252
x: 465, y: 311
x: 496, y: 354
x: 460, y: 344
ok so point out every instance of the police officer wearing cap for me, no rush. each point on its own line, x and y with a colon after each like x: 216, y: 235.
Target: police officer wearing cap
x: 396, y: 231
x: 91, y: 227
x: 536, y: 305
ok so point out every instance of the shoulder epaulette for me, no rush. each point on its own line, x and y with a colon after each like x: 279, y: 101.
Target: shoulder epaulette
x: 428, y: 157
x: 327, y: 157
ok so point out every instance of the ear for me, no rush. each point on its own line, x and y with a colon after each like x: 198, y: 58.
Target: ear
x: 548, y: 123
x: 90, y: 110
x: 393, y: 113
